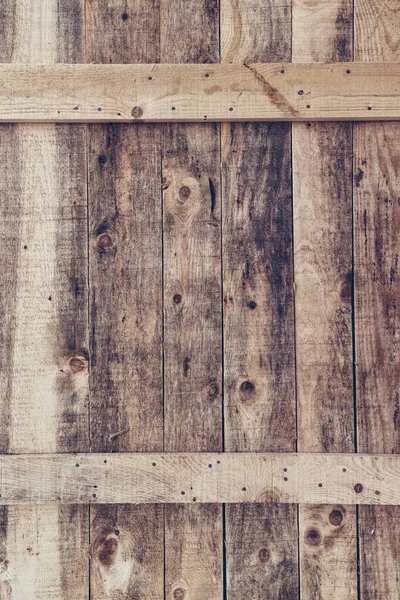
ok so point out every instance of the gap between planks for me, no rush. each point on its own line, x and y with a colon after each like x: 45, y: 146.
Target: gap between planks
x: 144, y: 478
x: 198, y: 93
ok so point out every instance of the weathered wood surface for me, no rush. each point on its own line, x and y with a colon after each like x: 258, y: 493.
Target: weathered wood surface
x: 150, y: 92
x: 200, y: 477
x: 192, y: 305
x: 125, y: 282
x: 377, y: 293
x: 174, y: 227
x: 44, y: 299
x: 322, y: 230
x: 259, y: 383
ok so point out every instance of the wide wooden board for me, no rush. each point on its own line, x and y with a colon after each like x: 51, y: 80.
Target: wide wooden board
x: 192, y: 478
x: 180, y: 92
x: 43, y: 289
x: 125, y: 309
x: 192, y: 305
x: 322, y: 232
x: 259, y: 382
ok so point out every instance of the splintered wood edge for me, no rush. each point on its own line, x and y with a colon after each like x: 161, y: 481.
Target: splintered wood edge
x: 137, y: 478
x: 197, y: 93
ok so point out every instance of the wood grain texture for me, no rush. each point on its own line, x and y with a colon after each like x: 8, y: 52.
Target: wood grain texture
x: 260, y: 546
x: 258, y: 288
x: 323, y: 276
x: 127, y: 552
x: 377, y: 285
x: 125, y: 270
x: 44, y: 549
x: 203, y: 478
x: 261, y: 557
x: 322, y: 171
x: 198, y: 93
x: 192, y: 306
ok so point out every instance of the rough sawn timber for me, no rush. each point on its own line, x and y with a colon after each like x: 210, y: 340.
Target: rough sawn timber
x: 217, y: 92
x: 125, y: 299
x: 322, y: 239
x: 192, y: 478
x: 257, y: 267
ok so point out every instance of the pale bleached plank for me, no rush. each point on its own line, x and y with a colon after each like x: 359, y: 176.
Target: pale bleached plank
x: 252, y: 92
x: 322, y: 232
x: 200, y: 478
x: 44, y: 548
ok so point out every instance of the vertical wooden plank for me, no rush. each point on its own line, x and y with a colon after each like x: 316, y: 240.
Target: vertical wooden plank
x: 322, y: 196
x: 377, y: 290
x: 125, y: 273
x: 261, y: 551
x: 192, y: 306
x: 43, y: 203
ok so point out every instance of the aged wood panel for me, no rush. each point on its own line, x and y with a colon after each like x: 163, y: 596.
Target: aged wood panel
x: 199, y: 477
x: 261, y: 549
x: 322, y: 164
x: 125, y: 270
x: 377, y: 285
x: 43, y: 203
x: 150, y: 92
x: 192, y: 307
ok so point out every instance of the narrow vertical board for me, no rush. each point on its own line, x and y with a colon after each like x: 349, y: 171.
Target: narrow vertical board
x: 377, y: 287
x: 192, y: 306
x: 44, y: 329
x: 261, y: 549
x: 322, y: 198
x: 125, y: 274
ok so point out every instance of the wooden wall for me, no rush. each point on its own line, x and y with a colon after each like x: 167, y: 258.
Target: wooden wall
x: 199, y: 287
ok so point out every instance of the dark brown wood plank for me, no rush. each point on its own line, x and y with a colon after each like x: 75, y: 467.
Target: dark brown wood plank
x: 43, y: 329
x: 322, y: 165
x: 125, y: 272
x: 377, y: 292
x: 261, y: 551
x: 192, y: 306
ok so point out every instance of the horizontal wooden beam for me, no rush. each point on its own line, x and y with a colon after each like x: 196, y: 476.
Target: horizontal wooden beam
x: 200, y: 477
x: 159, y: 92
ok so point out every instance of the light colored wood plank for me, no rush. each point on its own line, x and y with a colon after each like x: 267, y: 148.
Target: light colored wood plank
x: 125, y: 273
x: 192, y: 306
x: 377, y: 288
x: 322, y: 165
x: 251, y: 92
x: 316, y: 478
x: 44, y: 549
x: 261, y: 540
x: 322, y: 198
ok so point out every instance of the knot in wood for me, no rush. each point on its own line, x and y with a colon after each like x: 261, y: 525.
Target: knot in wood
x: 77, y: 363
x: 179, y: 594
x: 184, y: 192
x: 247, y: 386
x: 263, y: 555
x: 107, y: 551
x: 358, y: 488
x: 313, y: 537
x: 335, y: 518
x: 105, y: 241
x: 137, y: 112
